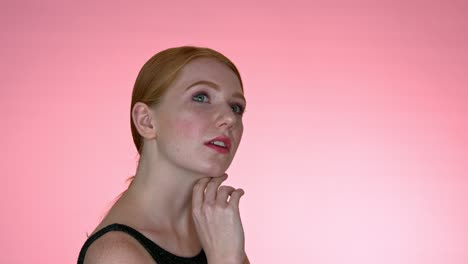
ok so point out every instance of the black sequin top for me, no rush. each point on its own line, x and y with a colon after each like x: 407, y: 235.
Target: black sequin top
x: 160, y: 255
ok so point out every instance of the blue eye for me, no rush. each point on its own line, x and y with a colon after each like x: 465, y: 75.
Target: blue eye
x: 238, y: 109
x: 201, y: 97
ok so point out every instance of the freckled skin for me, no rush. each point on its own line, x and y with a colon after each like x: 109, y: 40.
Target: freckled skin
x: 186, y: 129
x: 184, y: 125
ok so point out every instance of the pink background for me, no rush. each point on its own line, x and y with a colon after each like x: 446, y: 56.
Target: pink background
x: 356, y: 141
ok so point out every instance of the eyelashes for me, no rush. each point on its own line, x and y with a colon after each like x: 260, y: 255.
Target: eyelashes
x: 202, y: 97
x: 238, y: 109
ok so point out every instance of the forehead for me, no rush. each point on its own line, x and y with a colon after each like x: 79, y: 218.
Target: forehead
x: 208, y: 69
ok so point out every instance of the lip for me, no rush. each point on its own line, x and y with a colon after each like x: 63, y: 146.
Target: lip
x: 225, y: 140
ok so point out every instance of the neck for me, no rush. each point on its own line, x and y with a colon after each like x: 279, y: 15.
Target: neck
x: 161, y: 195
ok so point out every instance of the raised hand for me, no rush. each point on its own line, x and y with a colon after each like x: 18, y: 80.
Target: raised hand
x: 218, y: 221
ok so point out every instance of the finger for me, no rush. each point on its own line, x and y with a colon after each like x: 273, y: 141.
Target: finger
x: 223, y: 194
x: 235, y: 197
x: 198, y: 192
x: 212, y: 188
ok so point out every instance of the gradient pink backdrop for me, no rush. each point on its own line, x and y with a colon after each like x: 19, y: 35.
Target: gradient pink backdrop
x: 356, y: 141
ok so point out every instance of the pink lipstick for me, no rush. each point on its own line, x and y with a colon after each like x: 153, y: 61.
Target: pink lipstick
x: 221, y: 144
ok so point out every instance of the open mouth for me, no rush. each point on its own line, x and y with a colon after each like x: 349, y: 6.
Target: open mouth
x: 217, y: 148
x: 221, y: 144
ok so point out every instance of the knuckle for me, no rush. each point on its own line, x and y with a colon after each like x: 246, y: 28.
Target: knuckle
x: 209, y: 205
x: 225, y: 188
x: 200, y: 183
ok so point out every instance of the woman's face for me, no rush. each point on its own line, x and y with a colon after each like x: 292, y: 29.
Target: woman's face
x: 203, y: 105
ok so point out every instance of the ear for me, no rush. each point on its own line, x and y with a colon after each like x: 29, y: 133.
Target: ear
x: 142, y: 118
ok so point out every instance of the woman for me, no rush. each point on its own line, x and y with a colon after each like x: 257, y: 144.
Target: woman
x: 186, y: 120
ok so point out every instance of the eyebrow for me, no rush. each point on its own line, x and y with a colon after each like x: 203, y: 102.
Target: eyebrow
x: 214, y: 86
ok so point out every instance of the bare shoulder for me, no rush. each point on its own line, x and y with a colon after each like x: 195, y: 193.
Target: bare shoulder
x: 117, y: 248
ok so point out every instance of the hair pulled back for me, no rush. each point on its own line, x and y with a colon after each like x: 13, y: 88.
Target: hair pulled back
x: 160, y: 71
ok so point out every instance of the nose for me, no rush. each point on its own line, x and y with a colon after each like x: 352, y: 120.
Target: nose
x: 226, y: 117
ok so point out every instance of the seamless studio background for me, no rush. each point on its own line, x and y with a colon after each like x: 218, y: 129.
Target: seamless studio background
x: 356, y: 133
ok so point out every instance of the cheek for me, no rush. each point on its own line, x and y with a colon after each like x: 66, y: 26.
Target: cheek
x: 186, y: 128
x: 239, y: 134
x: 240, y: 129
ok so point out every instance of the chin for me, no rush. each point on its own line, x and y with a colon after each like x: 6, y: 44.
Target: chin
x: 213, y: 171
